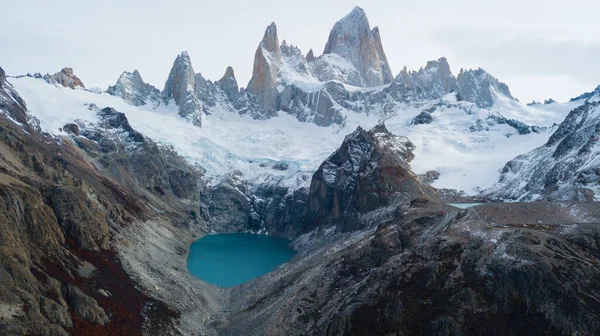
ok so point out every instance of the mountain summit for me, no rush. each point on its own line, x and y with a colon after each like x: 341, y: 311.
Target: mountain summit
x: 353, y: 39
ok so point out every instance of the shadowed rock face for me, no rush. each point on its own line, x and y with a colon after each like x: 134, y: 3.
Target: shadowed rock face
x: 352, y: 39
x: 229, y: 84
x: 66, y: 78
x: 181, y: 88
x: 369, y: 172
x: 267, y: 62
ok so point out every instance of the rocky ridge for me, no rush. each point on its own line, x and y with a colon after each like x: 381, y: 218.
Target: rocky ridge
x: 565, y: 168
x: 351, y: 76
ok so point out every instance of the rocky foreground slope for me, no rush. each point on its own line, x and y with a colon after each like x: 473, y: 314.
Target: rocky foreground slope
x: 84, y: 215
x: 64, y: 202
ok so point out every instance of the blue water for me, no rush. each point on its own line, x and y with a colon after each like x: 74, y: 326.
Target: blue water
x: 228, y: 260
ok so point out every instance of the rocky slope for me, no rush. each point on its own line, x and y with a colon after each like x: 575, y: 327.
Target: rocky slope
x: 378, y: 252
x: 65, y: 200
x: 369, y: 172
x: 424, y: 267
x: 565, y: 168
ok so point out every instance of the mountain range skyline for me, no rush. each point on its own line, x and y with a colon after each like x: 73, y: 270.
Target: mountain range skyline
x: 153, y: 57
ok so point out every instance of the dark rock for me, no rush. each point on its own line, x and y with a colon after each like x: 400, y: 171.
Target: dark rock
x: 423, y: 118
x: 71, y: 128
x: 84, y: 306
x: 369, y: 171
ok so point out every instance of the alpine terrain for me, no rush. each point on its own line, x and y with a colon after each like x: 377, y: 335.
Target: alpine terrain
x: 363, y: 169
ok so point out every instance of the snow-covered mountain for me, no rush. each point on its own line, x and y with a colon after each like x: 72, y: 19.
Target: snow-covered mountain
x: 466, y: 127
x: 567, y: 167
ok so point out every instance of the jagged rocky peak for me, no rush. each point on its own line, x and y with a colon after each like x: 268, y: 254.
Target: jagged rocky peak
x: 66, y: 78
x: 180, y: 87
x: 310, y: 56
x: 2, y: 76
x: 267, y: 63
x: 369, y: 171
x: 588, y: 95
x: 481, y: 88
x: 229, y: 84
x: 131, y: 87
x: 433, y: 81
x: 352, y: 39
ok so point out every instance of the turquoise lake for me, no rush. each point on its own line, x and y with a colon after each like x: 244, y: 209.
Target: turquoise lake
x: 231, y: 259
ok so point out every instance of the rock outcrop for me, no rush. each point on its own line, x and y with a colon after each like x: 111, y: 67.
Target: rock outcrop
x: 132, y: 88
x: 229, y: 84
x: 481, y: 88
x: 181, y: 88
x: 432, y: 82
x: 368, y: 173
x: 267, y: 63
x: 66, y: 78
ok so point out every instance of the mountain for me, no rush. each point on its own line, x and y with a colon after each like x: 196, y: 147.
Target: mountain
x: 102, y: 194
x: 353, y: 39
x: 481, y: 88
x: 66, y: 78
x: 368, y: 172
x: 267, y: 64
x: 132, y: 88
x: 565, y: 168
x: 180, y: 87
x: 432, y: 82
x: 593, y: 95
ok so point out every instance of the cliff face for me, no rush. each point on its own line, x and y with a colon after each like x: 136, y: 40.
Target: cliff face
x: 267, y: 63
x: 181, y: 87
x: 369, y: 172
x: 353, y: 39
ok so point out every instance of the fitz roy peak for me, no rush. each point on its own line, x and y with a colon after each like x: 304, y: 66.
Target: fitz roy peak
x: 103, y: 193
x: 351, y: 76
x: 353, y: 40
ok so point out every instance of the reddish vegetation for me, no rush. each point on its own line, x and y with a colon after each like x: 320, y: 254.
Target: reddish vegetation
x: 125, y: 303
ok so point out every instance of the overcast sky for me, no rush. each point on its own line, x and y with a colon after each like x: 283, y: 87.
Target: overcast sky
x: 541, y: 49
